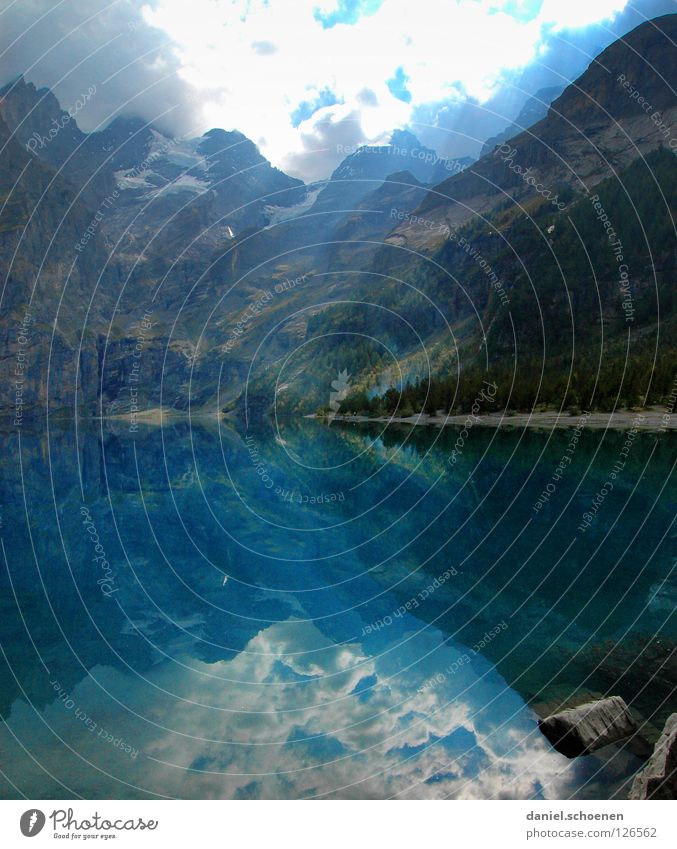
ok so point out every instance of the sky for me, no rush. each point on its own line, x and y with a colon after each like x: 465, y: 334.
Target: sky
x: 309, y: 79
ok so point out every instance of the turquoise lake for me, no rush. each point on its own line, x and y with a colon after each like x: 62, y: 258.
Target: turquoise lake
x: 332, y: 611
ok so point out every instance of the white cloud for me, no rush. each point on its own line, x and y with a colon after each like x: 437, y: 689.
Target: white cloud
x: 270, y: 69
x: 230, y: 723
x: 72, y: 45
x: 257, y: 62
x: 575, y: 14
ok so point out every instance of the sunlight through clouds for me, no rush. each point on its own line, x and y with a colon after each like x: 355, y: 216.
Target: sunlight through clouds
x: 241, y: 55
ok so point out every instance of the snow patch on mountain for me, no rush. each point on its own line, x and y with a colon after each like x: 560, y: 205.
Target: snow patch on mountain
x: 278, y: 214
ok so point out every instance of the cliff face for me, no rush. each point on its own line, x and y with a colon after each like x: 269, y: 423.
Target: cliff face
x: 47, y: 284
x: 92, y: 229
x: 593, y: 129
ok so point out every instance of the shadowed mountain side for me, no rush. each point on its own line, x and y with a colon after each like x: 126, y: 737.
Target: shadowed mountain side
x: 591, y: 131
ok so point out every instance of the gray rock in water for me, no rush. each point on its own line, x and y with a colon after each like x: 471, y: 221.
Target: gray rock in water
x: 658, y: 779
x: 581, y: 730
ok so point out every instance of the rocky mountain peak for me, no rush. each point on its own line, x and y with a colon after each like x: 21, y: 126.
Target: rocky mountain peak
x: 646, y: 58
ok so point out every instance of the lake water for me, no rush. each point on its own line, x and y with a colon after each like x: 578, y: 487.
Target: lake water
x: 328, y: 610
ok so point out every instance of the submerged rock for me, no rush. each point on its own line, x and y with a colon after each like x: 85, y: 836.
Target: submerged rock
x: 658, y: 779
x: 578, y: 731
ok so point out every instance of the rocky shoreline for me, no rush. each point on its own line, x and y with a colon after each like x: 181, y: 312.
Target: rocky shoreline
x: 650, y: 419
x: 581, y: 730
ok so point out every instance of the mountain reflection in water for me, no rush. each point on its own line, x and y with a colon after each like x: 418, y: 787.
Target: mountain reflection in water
x: 329, y: 611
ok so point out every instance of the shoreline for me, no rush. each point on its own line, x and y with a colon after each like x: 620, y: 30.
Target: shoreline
x: 156, y: 416
x: 650, y: 419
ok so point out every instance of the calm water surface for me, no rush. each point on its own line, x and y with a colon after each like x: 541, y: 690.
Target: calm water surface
x: 328, y: 611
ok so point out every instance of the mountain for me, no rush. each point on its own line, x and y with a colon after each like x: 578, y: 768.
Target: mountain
x: 591, y: 131
x: 535, y: 108
x: 240, y: 178
x: 165, y: 227
x: 366, y: 167
x: 142, y: 163
x: 505, y: 268
x: 404, y: 152
x: 192, y: 273
x: 92, y: 223
x: 51, y: 134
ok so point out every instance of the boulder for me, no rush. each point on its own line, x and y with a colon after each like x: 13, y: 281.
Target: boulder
x: 578, y: 731
x: 658, y: 779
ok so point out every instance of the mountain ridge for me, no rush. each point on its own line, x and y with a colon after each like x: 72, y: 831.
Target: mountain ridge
x: 592, y: 127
